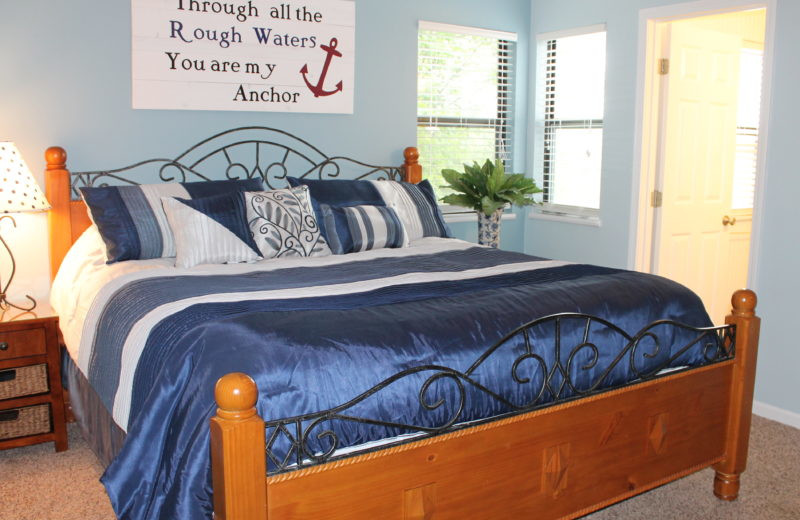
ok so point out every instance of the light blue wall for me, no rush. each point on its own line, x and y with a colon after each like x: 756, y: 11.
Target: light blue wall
x: 66, y: 81
x: 776, y: 277
x: 779, y: 250
x: 608, y: 244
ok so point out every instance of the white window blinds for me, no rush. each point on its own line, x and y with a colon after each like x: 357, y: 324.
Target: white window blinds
x: 572, y: 99
x: 465, y: 97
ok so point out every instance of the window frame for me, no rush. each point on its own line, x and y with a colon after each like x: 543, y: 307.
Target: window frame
x: 545, y: 126
x: 503, y: 123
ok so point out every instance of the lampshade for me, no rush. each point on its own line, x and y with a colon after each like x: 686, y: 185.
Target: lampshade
x: 18, y: 189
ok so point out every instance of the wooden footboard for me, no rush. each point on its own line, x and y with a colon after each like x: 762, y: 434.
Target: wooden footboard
x: 558, y: 462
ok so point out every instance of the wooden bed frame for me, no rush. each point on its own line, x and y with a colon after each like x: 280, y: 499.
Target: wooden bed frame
x: 561, y: 461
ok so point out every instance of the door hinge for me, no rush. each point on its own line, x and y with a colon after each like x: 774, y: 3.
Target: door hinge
x: 663, y: 66
x: 656, y: 199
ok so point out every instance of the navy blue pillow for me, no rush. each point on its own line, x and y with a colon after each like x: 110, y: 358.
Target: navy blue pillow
x: 131, y: 219
x: 341, y: 192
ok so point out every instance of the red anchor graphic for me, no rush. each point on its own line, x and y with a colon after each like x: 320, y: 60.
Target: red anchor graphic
x: 318, y: 89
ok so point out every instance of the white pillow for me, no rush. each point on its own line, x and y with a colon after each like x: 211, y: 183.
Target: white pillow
x: 210, y: 230
x: 88, y: 252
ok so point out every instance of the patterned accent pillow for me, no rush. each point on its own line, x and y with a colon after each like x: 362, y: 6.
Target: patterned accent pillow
x: 283, y: 224
x: 415, y: 204
x: 361, y: 228
x: 210, y: 230
x: 132, y: 221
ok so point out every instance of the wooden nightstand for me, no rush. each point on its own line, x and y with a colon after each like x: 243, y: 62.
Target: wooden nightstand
x: 31, y: 397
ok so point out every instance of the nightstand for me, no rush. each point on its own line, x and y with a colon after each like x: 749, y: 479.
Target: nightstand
x: 31, y: 396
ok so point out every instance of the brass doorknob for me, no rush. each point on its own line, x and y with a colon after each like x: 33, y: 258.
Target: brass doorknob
x: 728, y: 221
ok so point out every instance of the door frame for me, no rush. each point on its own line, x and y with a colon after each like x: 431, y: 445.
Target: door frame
x: 646, y: 127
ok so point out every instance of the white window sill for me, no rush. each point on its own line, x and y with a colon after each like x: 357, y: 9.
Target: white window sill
x: 470, y: 216
x: 539, y: 214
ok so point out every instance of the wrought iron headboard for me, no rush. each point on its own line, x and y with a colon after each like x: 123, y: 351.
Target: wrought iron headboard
x: 251, y: 151
x: 246, y: 152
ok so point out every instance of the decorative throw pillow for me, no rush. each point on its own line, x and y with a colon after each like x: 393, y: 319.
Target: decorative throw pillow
x: 131, y: 219
x: 210, y: 230
x: 339, y: 193
x: 415, y: 204
x: 361, y: 228
x: 283, y: 224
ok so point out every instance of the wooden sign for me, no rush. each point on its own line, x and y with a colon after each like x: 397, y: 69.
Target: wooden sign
x: 255, y: 55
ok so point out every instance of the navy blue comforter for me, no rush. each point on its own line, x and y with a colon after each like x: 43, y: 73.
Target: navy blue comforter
x: 312, y: 353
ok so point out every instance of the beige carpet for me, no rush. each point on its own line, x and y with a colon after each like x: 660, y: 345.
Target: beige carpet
x: 38, y: 484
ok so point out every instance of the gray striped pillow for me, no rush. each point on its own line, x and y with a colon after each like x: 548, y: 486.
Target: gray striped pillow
x: 361, y: 228
x: 416, y: 206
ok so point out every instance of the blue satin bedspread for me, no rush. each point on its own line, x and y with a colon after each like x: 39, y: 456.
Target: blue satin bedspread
x: 309, y: 354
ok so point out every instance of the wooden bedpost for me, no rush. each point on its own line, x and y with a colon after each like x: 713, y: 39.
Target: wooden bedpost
x: 726, y: 480
x: 412, y: 169
x: 56, y: 180
x: 238, y: 452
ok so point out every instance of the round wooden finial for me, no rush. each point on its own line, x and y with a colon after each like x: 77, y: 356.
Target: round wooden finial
x: 411, y: 155
x: 744, y: 302
x: 56, y: 158
x: 236, y: 393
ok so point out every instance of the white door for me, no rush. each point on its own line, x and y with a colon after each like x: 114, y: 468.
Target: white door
x: 697, y: 153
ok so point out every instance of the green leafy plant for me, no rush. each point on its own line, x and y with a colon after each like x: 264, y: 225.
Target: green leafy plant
x: 488, y: 188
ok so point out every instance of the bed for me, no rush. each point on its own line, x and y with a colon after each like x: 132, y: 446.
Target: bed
x: 435, y: 380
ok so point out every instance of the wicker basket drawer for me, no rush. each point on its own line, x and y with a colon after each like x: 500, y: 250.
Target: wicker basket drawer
x: 18, y: 382
x: 22, y: 422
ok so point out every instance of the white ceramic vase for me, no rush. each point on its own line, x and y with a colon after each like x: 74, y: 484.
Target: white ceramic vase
x: 489, y: 228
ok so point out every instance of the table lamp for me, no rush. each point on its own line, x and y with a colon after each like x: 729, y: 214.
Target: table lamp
x: 19, y: 193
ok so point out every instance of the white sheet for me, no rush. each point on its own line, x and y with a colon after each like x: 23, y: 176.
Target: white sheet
x: 83, y: 273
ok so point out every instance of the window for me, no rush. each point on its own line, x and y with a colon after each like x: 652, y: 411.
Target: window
x: 744, y: 168
x: 464, y: 98
x: 570, y: 102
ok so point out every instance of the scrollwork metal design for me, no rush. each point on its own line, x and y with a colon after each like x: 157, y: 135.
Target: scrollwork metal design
x: 550, y: 383
x: 268, y: 153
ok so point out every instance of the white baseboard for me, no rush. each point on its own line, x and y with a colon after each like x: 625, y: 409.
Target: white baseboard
x: 776, y: 414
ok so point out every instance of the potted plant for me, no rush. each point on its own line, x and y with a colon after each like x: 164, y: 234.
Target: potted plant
x: 488, y: 189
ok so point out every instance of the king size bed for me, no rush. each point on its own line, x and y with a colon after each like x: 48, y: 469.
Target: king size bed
x: 407, y: 375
